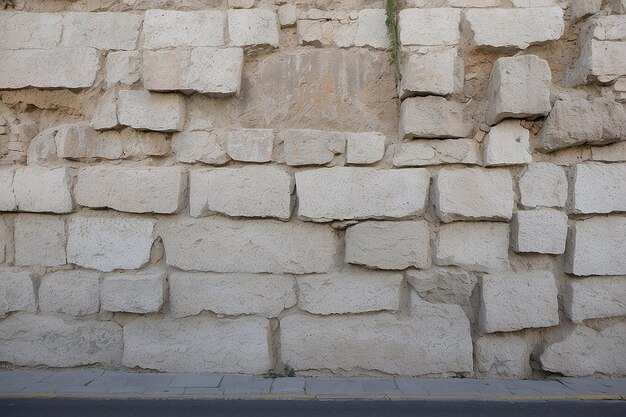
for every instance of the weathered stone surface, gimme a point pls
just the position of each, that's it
(39, 189)
(439, 73)
(108, 243)
(123, 67)
(16, 291)
(587, 351)
(361, 193)
(171, 29)
(22, 30)
(223, 245)
(7, 196)
(432, 117)
(503, 356)
(151, 111)
(105, 115)
(365, 148)
(140, 292)
(389, 245)
(596, 246)
(253, 27)
(5, 241)
(230, 294)
(48, 68)
(475, 246)
(443, 285)
(515, 28)
(435, 152)
(39, 240)
(543, 184)
(198, 344)
(252, 191)
(130, 189)
(539, 231)
(29, 340)
(287, 15)
(139, 144)
(615, 152)
(595, 297)
(372, 30)
(514, 301)
(250, 145)
(584, 8)
(79, 140)
(311, 147)
(507, 143)
(199, 146)
(473, 194)
(103, 30)
(74, 292)
(519, 87)
(598, 188)
(436, 26)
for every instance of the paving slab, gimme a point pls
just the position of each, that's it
(334, 386)
(245, 385)
(292, 385)
(380, 386)
(547, 388)
(197, 381)
(464, 387)
(411, 386)
(73, 377)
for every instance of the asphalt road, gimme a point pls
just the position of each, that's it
(27, 407)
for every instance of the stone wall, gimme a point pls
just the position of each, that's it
(241, 186)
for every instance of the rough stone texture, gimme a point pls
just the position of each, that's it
(595, 297)
(543, 184)
(39, 240)
(436, 26)
(311, 147)
(230, 294)
(151, 111)
(517, 28)
(198, 344)
(30, 340)
(439, 73)
(598, 188)
(361, 193)
(109, 243)
(250, 145)
(519, 87)
(389, 245)
(223, 245)
(611, 153)
(433, 118)
(365, 148)
(584, 8)
(76, 293)
(205, 147)
(372, 30)
(171, 29)
(123, 67)
(515, 301)
(539, 231)
(39, 189)
(105, 114)
(435, 152)
(21, 30)
(101, 30)
(79, 140)
(139, 292)
(475, 246)
(7, 196)
(135, 190)
(503, 356)
(596, 246)
(473, 194)
(507, 143)
(586, 351)
(254, 27)
(16, 291)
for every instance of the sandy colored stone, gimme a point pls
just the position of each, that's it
(22, 30)
(253, 27)
(134, 292)
(311, 147)
(435, 152)
(507, 143)
(443, 285)
(432, 118)
(504, 356)
(16, 291)
(436, 26)
(39, 240)
(250, 145)
(434, 72)
(594, 297)
(539, 231)
(596, 246)
(105, 115)
(365, 148)
(173, 29)
(543, 184)
(372, 30)
(79, 140)
(39, 189)
(7, 196)
(190, 147)
(73, 292)
(598, 188)
(102, 30)
(123, 67)
(151, 111)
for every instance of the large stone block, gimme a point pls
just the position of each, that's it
(224, 245)
(435, 152)
(30, 340)
(23, 30)
(108, 243)
(515, 301)
(7, 196)
(140, 292)
(436, 26)
(503, 356)
(230, 294)
(539, 231)
(39, 240)
(439, 73)
(597, 246)
(432, 118)
(598, 188)
(200, 146)
(389, 245)
(311, 147)
(198, 344)
(444, 285)
(543, 184)
(507, 143)
(172, 29)
(253, 27)
(361, 193)
(39, 189)
(16, 291)
(151, 111)
(134, 190)
(372, 29)
(79, 140)
(250, 145)
(595, 297)
(74, 292)
(364, 148)
(103, 30)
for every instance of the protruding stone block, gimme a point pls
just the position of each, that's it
(250, 145)
(23, 30)
(539, 231)
(141, 292)
(439, 73)
(435, 152)
(432, 118)
(595, 297)
(174, 29)
(151, 111)
(543, 184)
(39, 240)
(365, 148)
(16, 291)
(436, 26)
(253, 27)
(199, 146)
(311, 147)
(39, 189)
(507, 143)
(598, 188)
(74, 292)
(596, 246)
(103, 30)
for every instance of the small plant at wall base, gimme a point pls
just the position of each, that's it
(392, 27)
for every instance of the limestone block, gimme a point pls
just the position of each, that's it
(436, 26)
(504, 356)
(172, 29)
(108, 243)
(139, 144)
(39, 189)
(7, 196)
(241, 4)
(586, 351)
(230, 294)
(432, 117)
(372, 29)
(79, 140)
(132, 189)
(443, 285)
(39, 240)
(596, 246)
(615, 152)
(252, 191)
(311, 147)
(205, 70)
(134, 292)
(22, 30)
(507, 143)
(30, 340)
(102, 30)
(287, 15)
(439, 73)
(595, 297)
(360, 193)
(253, 27)
(48, 68)
(389, 245)
(224, 245)
(365, 148)
(618, 6)
(123, 67)
(519, 87)
(250, 145)
(465, 3)
(5, 241)
(16, 291)
(539, 231)
(473, 194)
(73, 292)
(315, 32)
(198, 344)
(475, 246)
(105, 114)
(598, 188)
(515, 301)
(584, 8)
(435, 152)
(200, 146)
(543, 184)
(515, 28)
(151, 111)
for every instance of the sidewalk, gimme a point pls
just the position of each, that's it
(98, 383)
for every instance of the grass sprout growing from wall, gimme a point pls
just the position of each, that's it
(391, 21)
